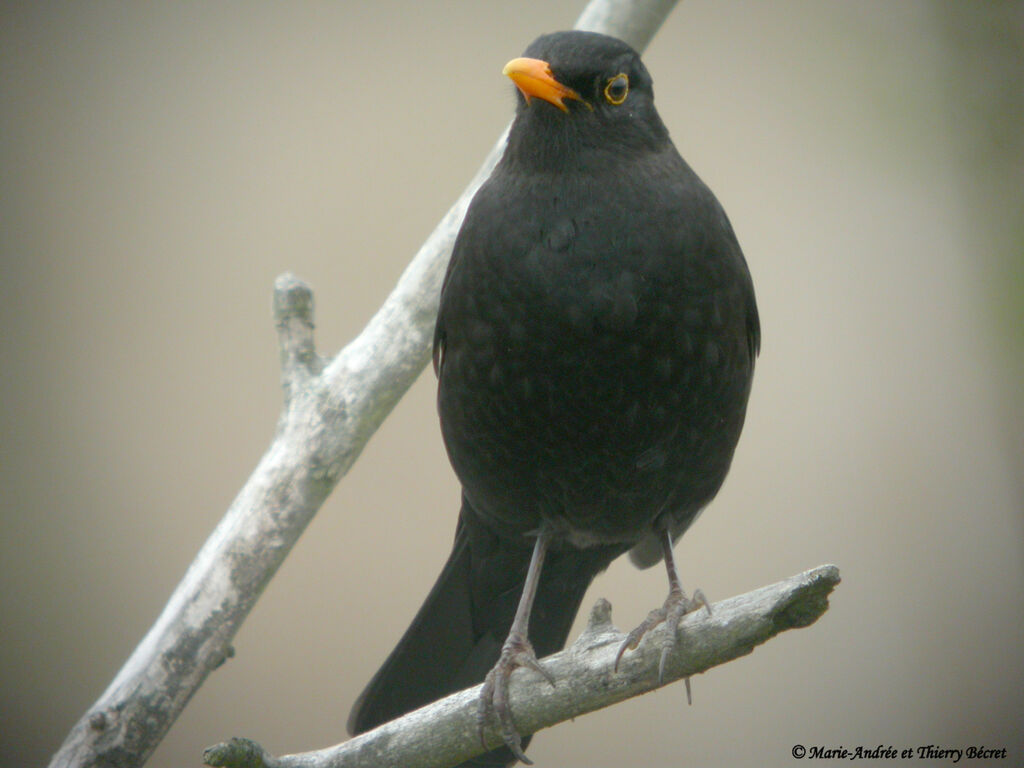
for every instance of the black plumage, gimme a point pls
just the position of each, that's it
(595, 348)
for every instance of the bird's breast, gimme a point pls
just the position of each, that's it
(592, 350)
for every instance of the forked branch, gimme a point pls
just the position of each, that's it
(332, 407)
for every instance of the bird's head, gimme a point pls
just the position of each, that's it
(586, 90)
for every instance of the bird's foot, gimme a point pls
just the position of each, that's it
(516, 652)
(677, 605)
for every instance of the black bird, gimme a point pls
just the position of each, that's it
(595, 348)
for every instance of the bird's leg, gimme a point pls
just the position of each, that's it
(677, 605)
(516, 652)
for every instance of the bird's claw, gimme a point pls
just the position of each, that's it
(494, 698)
(676, 605)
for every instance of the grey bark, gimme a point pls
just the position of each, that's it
(331, 409)
(444, 733)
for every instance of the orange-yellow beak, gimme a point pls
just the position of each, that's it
(533, 77)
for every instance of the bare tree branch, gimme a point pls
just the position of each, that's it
(332, 407)
(444, 733)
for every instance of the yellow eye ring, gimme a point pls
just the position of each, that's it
(617, 89)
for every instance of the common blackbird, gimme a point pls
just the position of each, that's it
(595, 347)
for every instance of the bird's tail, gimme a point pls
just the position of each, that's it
(458, 633)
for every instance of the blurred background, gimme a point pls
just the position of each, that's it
(163, 163)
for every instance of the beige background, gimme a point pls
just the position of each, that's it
(162, 163)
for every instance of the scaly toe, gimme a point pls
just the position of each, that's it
(654, 618)
(494, 696)
(676, 605)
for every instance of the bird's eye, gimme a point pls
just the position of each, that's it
(617, 89)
